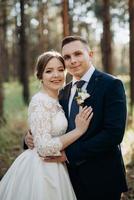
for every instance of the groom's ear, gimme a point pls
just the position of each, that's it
(91, 53)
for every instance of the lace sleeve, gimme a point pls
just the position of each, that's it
(39, 117)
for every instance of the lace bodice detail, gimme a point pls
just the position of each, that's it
(47, 122)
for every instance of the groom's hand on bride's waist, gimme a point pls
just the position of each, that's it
(29, 140)
(61, 158)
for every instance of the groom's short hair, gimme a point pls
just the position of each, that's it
(73, 38)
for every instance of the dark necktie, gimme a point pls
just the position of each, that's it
(74, 107)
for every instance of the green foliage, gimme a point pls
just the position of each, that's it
(11, 135)
(13, 99)
(13, 103)
(13, 130)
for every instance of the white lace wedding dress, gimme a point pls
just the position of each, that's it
(29, 177)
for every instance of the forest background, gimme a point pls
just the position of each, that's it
(30, 27)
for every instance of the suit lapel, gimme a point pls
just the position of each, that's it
(66, 97)
(93, 81)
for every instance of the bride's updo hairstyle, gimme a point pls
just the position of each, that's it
(43, 59)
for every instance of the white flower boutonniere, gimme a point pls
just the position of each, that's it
(82, 96)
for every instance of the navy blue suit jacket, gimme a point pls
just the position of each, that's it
(97, 153)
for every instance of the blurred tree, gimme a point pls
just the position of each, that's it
(102, 12)
(44, 24)
(106, 40)
(65, 17)
(1, 63)
(14, 49)
(79, 18)
(23, 53)
(5, 69)
(131, 53)
(42, 15)
(65, 14)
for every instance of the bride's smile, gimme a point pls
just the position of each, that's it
(53, 77)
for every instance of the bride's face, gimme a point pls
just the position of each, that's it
(53, 76)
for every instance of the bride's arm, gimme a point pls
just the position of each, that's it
(40, 125)
(39, 118)
(82, 122)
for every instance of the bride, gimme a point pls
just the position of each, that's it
(30, 177)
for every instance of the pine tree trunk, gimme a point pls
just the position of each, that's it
(106, 41)
(65, 18)
(66, 31)
(23, 55)
(43, 26)
(5, 70)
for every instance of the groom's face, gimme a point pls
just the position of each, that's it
(77, 58)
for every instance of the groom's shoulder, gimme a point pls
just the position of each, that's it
(108, 80)
(107, 77)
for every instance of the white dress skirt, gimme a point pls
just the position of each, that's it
(29, 177)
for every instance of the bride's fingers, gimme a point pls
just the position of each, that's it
(85, 112)
(88, 113)
(83, 109)
(90, 117)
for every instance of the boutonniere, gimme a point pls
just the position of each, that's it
(82, 96)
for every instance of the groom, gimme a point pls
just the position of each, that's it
(94, 161)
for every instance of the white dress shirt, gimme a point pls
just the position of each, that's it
(86, 77)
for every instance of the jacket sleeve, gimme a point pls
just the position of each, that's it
(112, 132)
